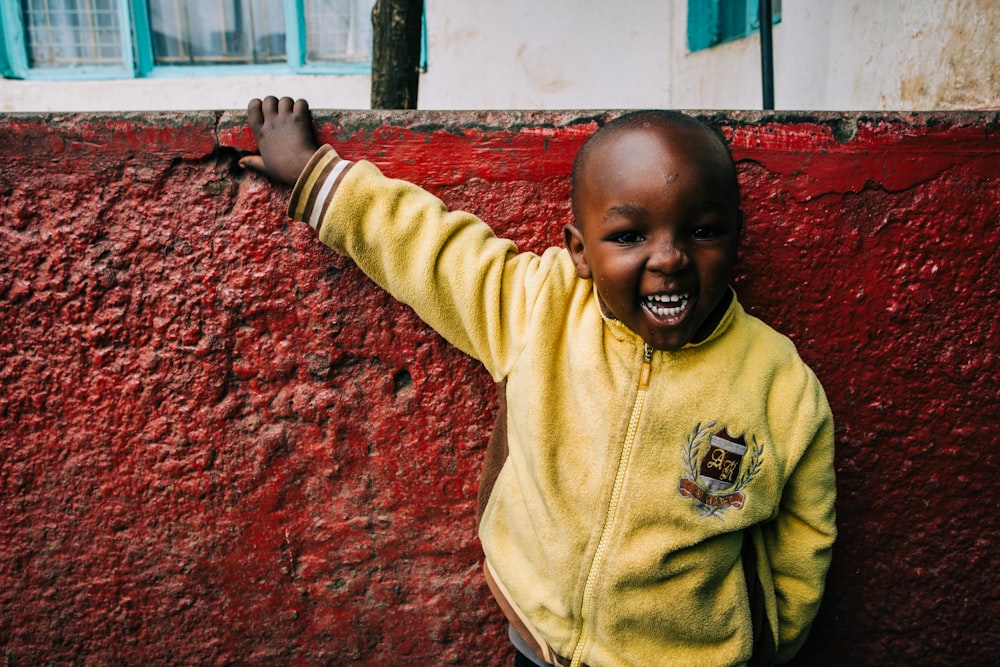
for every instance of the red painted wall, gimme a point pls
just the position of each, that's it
(220, 444)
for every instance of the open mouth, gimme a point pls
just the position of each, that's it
(666, 307)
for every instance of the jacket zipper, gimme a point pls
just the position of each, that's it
(616, 491)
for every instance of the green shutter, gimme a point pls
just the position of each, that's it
(4, 63)
(13, 58)
(702, 24)
(712, 22)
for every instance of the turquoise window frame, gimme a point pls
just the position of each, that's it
(714, 22)
(15, 51)
(138, 61)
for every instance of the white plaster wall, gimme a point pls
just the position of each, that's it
(888, 54)
(561, 54)
(828, 54)
(170, 94)
(534, 54)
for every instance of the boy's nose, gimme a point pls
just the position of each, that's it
(666, 257)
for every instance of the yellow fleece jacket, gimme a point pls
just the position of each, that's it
(614, 528)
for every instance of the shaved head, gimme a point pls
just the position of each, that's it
(714, 147)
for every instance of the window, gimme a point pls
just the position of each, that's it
(216, 33)
(133, 38)
(712, 22)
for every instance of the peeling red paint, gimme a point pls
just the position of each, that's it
(220, 444)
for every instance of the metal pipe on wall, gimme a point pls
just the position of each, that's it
(766, 52)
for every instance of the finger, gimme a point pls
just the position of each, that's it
(253, 163)
(301, 106)
(285, 105)
(255, 114)
(269, 106)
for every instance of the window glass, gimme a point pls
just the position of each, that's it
(60, 33)
(338, 30)
(217, 32)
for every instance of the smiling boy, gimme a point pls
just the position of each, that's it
(664, 459)
(657, 221)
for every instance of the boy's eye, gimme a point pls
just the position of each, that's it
(705, 233)
(627, 238)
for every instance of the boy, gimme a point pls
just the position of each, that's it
(664, 488)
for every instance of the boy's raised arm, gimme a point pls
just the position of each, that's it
(284, 133)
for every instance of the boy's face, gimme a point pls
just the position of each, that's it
(656, 229)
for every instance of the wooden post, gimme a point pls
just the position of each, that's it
(396, 53)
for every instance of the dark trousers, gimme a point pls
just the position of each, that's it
(521, 660)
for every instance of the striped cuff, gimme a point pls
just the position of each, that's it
(314, 189)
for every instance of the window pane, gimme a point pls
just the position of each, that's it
(338, 30)
(60, 33)
(214, 32)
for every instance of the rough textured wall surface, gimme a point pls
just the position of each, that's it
(219, 444)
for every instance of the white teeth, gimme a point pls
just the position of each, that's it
(666, 305)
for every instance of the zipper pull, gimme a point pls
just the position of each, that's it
(647, 367)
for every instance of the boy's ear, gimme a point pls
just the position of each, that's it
(574, 243)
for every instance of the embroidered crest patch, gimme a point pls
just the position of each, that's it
(718, 466)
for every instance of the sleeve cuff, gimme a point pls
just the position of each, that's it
(315, 186)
